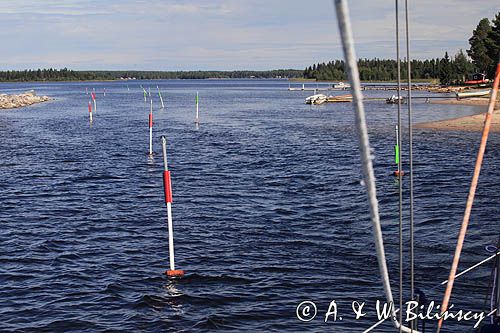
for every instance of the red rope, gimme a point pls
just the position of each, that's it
(470, 198)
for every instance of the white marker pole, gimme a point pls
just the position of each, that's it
(197, 112)
(161, 99)
(104, 91)
(167, 186)
(149, 91)
(151, 130)
(90, 111)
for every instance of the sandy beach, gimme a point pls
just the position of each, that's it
(472, 123)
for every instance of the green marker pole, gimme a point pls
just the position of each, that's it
(197, 112)
(396, 148)
(161, 99)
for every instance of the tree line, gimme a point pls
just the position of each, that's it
(71, 75)
(386, 69)
(482, 57)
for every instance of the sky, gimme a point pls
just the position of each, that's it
(221, 34)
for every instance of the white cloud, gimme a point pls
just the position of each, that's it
(220, 34)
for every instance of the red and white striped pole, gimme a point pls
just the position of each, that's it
(95, 105)
(90, 112)
(167, 187)
(151, 130)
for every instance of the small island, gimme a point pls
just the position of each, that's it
(20, 100)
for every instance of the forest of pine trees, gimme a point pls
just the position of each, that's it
(448, 70)
(482, 57)
(70, 75)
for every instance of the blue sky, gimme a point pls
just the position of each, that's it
(220, 34)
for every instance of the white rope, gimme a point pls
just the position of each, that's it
(364, 145)
(371, 328)
(474, 266)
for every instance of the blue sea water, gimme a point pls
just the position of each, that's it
(269, 209)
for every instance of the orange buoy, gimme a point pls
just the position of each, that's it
(175, 273)
(396, 173)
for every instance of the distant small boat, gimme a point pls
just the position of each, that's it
(316, 99)
(394, 99)
(469, 94)
(341, 85)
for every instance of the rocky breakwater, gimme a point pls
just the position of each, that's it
(24, 99)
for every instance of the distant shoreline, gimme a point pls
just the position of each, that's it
(295, 80)
(142, 80)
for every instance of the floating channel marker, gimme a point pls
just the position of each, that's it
(197, 110)
(90, 112)
(167, 187)
(397, 154)
(95, 103)
(161, 99)
(396, 147)
(151, 130)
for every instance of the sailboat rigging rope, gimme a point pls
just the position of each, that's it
(364, 146)
(410, 157)
(400, 173)
(473, 266)
(472, 192)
